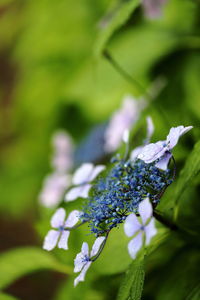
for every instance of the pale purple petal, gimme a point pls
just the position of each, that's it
(82, 174)
(73, 218)
(51, 239)
(62, 162)
(164, 161)
(63, 242)
(150, 128)
(150, 231)
(79, 262)
(131, 225)
(85, 249)
(145, 210)
(58, 218)
(175, 133)
(122, 119)
(62, 142)
(81, 276)
(135, 244)
(136, 152)
(152, 151)
(96, 246)
(96, 171)
(79, 191)
(73, 194)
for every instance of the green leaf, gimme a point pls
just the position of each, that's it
(119, 19)
(21, 261)
(195, 294)
(7, 297)
(189, 172)
(132, 285)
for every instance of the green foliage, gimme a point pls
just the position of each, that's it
(132, 285)
(21, 261)
(4, 296)
(118, 18)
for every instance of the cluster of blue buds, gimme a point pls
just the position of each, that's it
(121, 191)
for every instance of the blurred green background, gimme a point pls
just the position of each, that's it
(53, 75)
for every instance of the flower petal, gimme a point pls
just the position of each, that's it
(80, 261)
(81, 276)
(164, 161)
(98, 169)
(73, 218)
(63, 242)
(125, 136)
(96, 246)
(58, 218)
(136, 152)
(150, 231)
(152, 151)
(82, 174)
(135, 244)
(50, 240)
(175, 133)
(145, 210)
(76, 192)
(131, 225)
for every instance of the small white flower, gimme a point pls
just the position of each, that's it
(133, 227)
(53, 189)
(122, 119)
(58, 222)
(83, 261)
(162, 149)
(82, 178)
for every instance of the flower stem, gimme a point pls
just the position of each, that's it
(101, 248)
(165, 221)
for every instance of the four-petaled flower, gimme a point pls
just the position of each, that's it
(145, 228)
(83, 259)
(82, 178)
(162, 149)
(58, 222)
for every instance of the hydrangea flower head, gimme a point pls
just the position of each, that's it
(82, 180)
(59, 232)
(146, 228)
(83, 259)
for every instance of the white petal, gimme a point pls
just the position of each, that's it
(135, 244)
(136, 152)
(96, 246)
(152, 151)
(58, 218)
(83, 173)
(145, 210)
(175, 133)
(51, 239)
(164, 161)
(150, 231)
(73, 218)
(131, 225)
(81, 276)
(96, 171)
(85, 190)
(150, 128)
(85, 249)
(76, 192)
(63, 242)
(79, 262)
(125, 136)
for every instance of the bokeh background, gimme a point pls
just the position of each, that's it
(54, 75)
